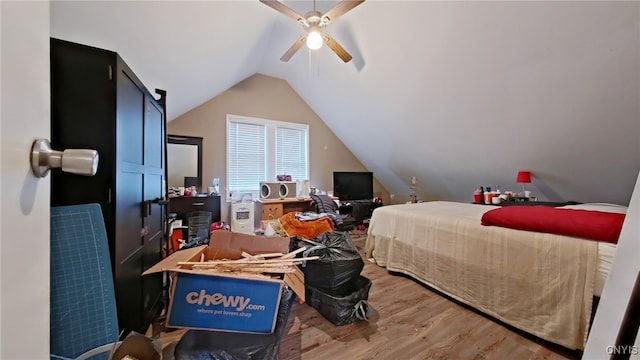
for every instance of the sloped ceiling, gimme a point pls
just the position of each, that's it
(458, 94)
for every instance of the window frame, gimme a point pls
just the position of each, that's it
(270, 146)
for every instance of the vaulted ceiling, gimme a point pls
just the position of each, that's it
(458, 94)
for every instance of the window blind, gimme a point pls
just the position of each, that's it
(291, 152)
(246, 156)
(260, 149)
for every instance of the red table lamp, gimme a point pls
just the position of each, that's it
(524, 177)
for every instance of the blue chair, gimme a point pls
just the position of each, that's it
(83, 315)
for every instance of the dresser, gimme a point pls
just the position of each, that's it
(97, 102)
(183, 205)
(273, 209)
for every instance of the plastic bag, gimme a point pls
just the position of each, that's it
(217, 345)
(339, 265)
(342, 310)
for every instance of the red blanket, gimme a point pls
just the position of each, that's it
(593, 225)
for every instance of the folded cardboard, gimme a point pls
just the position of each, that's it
(223, 301)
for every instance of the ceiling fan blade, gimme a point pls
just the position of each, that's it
(295, 47)
(339, 50)
(340, 9)
(277, 5)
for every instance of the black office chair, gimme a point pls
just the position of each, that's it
(199, 228)
(325, 204)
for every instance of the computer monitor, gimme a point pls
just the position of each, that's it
(350, 185)
(190, 181)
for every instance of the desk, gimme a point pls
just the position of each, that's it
(273, 209)
(360, 210)
(183, 205)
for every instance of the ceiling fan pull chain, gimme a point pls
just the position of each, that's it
(312, 55)
(310, 64)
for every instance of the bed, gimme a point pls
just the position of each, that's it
(541, 283)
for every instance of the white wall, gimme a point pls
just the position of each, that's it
(617, 289)
(24, 199)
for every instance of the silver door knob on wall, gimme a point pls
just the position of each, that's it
(75, 161)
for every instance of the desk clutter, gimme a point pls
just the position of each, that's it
(489, 196)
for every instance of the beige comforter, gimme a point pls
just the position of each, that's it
(539, 283)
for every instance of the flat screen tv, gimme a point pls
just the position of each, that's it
(351, 185)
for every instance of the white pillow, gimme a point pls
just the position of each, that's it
(606, 207)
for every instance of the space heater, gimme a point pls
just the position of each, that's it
(242, 218)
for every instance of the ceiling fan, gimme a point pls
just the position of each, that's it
(314, 22)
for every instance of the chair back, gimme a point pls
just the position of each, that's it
(83, 306)
(199, 223)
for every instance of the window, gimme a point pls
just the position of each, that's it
(260, 149)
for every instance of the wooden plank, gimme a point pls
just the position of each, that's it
(295, 280)
(246, 261)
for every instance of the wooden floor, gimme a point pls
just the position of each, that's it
(407, 321)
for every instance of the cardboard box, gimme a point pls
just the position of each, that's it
(223, 302)
(138, 346)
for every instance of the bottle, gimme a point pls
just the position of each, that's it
(216, 185)
(477, 196)
(487, 196)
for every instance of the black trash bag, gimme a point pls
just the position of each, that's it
(341, 310)
(339, 265)
(219, 345)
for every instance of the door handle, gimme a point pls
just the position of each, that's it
(74, 161)
(145, 207)
(161, 201)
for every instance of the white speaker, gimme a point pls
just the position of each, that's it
(269, 190)
(287, 190)
(278, 190)
(242, 218)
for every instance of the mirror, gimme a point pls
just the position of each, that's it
(184, 160)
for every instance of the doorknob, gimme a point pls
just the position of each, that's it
(75, 161)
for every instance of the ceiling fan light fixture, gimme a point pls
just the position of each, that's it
(314, 40)
(314, 23)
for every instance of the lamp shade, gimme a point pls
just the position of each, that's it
(524, 177)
